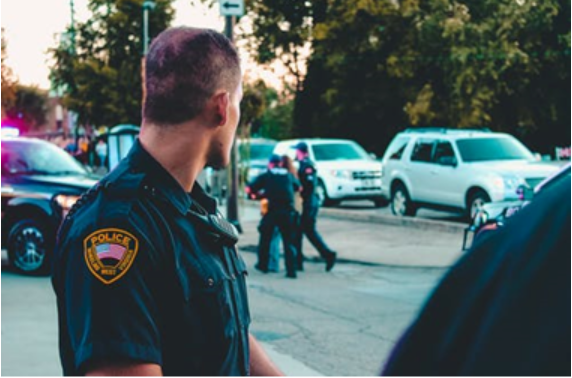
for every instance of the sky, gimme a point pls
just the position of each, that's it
(31, 27)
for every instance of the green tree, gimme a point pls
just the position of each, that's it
(379, 66)
(252, 106)
(281, 30)
(28, 111)
(8, 82)
(100, 70)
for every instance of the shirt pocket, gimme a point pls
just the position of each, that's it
(208, 310)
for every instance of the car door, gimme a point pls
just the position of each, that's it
(418, 169)
(445, 183)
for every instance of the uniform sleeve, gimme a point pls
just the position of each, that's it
(110, 295)
(257, 185)
(308, 178)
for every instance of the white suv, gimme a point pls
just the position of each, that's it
(345, 169)
(456, 169)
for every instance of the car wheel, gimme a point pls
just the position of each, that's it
(476, 202)
(29, 247)
(401, 203)
(322, 195)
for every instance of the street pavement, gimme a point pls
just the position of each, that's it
(373, 238)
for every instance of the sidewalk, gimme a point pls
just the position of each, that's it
(375, 240)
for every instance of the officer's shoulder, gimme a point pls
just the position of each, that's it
(112, 197)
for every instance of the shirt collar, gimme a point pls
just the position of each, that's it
(139, 160)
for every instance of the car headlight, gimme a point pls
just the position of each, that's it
(66, 201)
(340, 173)
(512, 182)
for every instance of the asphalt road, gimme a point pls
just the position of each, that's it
(340, 323)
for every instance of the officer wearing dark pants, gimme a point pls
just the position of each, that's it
(279, 186)
(308, 178)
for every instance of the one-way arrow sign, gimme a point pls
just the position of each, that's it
(231, 7)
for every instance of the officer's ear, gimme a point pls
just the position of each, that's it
(222, 106)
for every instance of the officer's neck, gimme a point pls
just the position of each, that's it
(180, 149)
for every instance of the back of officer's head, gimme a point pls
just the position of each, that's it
(183, 69)
(274, 161)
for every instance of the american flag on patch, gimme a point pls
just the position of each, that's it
(110, 251)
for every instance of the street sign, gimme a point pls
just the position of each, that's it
(231, 7)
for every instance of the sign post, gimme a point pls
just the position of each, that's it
(230, 9)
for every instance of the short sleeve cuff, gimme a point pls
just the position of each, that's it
(114, 350)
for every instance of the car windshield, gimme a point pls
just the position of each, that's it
(19, 157)
(489, 149)
(338, 151)
(256, 152)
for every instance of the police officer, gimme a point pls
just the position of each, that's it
(278, 186)
(308, 178)
(146, 273)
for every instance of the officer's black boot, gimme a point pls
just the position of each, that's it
(331, 261)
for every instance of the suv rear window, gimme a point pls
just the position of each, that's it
(488, 149)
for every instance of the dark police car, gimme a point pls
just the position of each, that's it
(40, 183)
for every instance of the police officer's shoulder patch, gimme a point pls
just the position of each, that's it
(109, 253)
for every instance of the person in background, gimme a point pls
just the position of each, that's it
(308, 178)
(278, 186)
(289, 165)
(504, 308)
(101, 151)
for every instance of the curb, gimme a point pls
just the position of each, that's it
(251, 248)
(419, 223)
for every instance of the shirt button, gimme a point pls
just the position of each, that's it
(210, 282)
(232, 277)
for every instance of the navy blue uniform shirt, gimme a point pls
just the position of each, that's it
(309, 179)
(279, 187)
(138, 277)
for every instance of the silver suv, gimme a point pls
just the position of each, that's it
(456, 169)
(345, 170)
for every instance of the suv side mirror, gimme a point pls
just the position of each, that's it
(373, 156)
(450, 161)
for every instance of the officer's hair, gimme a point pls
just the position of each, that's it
(183, 69)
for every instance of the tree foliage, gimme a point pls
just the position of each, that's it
(29, 108)
(8, 81)
(378, 66)
(100, 70)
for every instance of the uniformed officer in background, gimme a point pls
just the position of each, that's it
(279, 186)
(146, 273)
(309, 178)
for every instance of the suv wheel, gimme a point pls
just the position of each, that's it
(323, 199)
(401, 203)
(28, 247)
(476, 202)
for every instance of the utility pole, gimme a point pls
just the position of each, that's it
(232, 203)
(147, 6)
(72, 118)
(72, 28)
